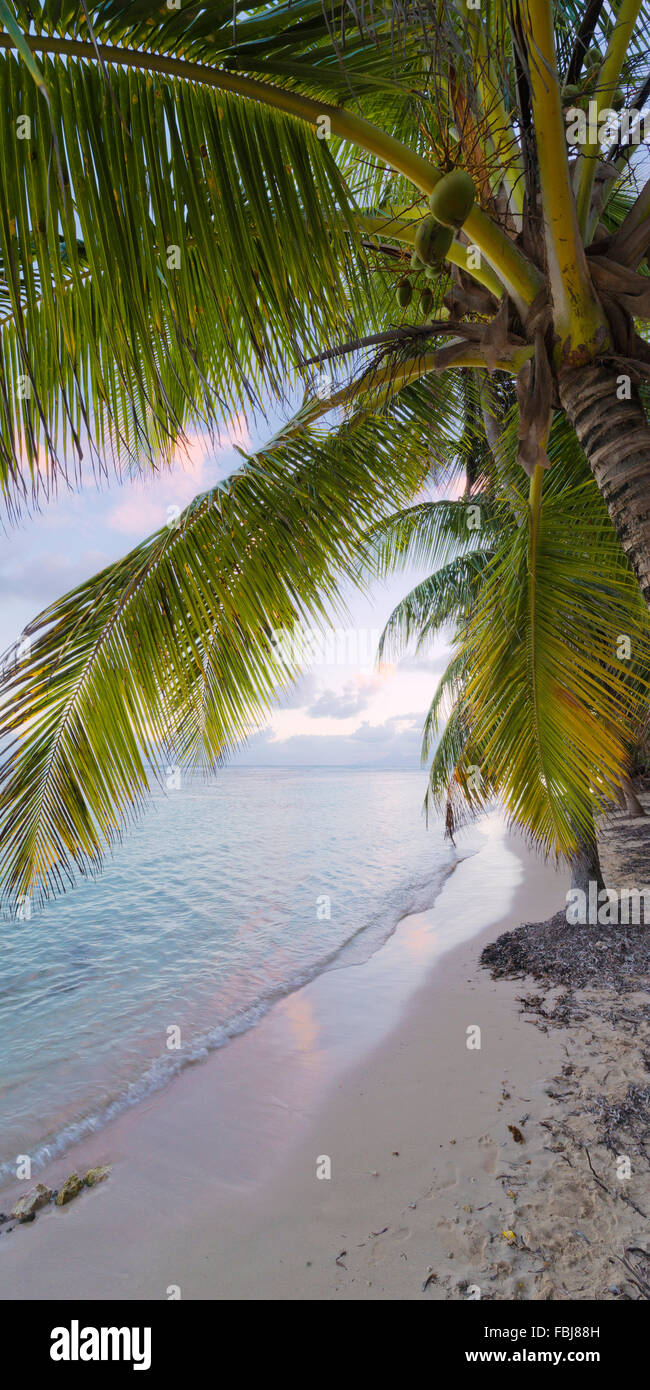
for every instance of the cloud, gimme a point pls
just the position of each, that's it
(435, 666)
(345, 703)
(42, 578)
(152, 501)
(301, 692)
(393, 744)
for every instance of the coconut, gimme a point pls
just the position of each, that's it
(452, 199)
(426, 302)
(432, 241)
(404, 293)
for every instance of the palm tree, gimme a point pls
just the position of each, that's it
(534, 700)
(201, 204)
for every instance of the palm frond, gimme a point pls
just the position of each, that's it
(550, 706)
(191, 255)
(440, 598)
(175, 647)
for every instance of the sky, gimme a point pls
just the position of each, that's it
(343, 711)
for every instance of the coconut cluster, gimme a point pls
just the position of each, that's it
(451, 203)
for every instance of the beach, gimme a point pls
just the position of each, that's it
(404, 1128)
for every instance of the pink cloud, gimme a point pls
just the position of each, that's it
(151, 502)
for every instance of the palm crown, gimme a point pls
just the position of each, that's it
(201, 203)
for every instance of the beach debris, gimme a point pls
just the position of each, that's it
(638, 1276)
(70, 1188)
(37, 1197)
(339, 1258)
(509, 1236)
(431, 1278)
(29, 1216)
(560, 953)
(381, 1232)
(516, 1134)
(95, 1175)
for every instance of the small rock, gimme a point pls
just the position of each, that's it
(71, 1188)
(37, 1197)
(29, 1216)
(95, 1175)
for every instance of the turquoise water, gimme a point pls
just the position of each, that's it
(227, 895)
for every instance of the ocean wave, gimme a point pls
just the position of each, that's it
(417, 896)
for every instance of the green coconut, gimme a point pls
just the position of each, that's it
(452, 199)
(404, 293)
(426, 302)
(575, 98)
(432, 241)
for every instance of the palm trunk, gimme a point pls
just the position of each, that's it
(615, 436)
(585, 867)
(632, 804)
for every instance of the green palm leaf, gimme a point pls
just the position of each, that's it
(175, 644)
(546, 700)
(448, 594)
(196, 251)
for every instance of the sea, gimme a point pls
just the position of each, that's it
(226, 896)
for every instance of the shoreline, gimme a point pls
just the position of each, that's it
(202, 1170)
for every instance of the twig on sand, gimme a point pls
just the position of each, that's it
(635, 1274)
(598, 1180)
(621, 1195)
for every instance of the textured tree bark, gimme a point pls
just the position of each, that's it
(585, 865)
(632, 804)
(615, 436)
(585, 868)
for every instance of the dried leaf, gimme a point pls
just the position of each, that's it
(630, 290)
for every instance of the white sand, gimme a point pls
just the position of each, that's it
(214, 1187)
